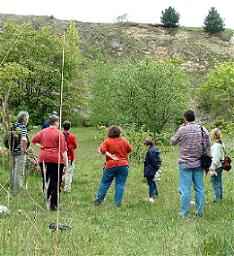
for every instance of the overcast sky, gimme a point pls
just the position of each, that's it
(148, 11)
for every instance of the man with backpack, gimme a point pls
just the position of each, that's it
(19, 144)
(71, 146)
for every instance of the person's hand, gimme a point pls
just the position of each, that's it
(65, 166)
(212, 173)
(114, 157)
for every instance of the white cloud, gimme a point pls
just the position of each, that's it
(192, 12)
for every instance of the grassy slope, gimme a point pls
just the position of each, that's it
(135, 229)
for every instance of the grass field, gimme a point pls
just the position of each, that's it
(138, 228)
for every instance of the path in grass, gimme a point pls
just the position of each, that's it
(138, 228)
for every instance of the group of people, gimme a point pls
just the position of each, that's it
(57, 154)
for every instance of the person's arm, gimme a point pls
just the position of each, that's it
(65, 159)
(216, 158)
(103, 148)
(37, 140)
(176, 138)
(128, 147)
(24, 140)
(111, 156)
(74, 143)
(153, 159)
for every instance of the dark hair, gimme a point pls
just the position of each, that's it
(66, 125)
(114, 132)
(189, 115)
(53, 119)
(148, 143)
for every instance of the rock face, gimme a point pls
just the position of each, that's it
(198, 50)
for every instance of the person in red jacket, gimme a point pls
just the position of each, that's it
(53, 159)
(71, 146)
(116, 150)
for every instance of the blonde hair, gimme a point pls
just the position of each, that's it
(216, 133)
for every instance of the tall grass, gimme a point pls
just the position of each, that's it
(138, 228)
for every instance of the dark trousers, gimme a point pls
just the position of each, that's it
(50, 181)
(152, 187)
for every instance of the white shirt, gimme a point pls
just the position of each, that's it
(217, 154)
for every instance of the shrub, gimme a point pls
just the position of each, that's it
(150, 93)
(170, 17)
(213, 23)
(216, 96)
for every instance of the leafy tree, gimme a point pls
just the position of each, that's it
(151, 93)
(39, 51)
(216, 96)
(170, 17)
(213, 23)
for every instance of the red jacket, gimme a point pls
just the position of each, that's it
(71, 144)
(119, 147)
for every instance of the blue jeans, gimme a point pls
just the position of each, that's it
(120, 174)
(217, 185)
(189, 176)
(152, 187)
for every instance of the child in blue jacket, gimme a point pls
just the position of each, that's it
(151, 166)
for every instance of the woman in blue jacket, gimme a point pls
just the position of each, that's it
(151, 165)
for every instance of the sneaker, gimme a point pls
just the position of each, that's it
(151, 200)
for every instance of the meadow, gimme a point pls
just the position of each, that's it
(137, 228)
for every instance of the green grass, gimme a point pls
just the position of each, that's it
(137, 228)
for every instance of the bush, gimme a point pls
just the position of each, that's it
(136, 138)
(213, 23)
(216, 96)
(150, 93)
(170, 17)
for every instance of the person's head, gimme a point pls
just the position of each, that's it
(148, 143)
(114, 132)
(216, 134)
(67, 125)
(189, 116)
(23, 117)
(54, 121)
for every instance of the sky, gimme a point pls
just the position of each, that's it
(192, 12)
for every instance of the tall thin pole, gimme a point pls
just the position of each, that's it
(60, 128)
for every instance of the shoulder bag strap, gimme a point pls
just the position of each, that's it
(203, 146)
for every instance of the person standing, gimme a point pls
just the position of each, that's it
(191, 137)
(71, 146)
(19, 144)
(217, 153)
(151, 166)
(46, 123)
(53, 159)
(116, 150)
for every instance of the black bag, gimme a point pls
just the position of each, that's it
(206, 160)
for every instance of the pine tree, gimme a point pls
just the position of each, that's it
(213, 23)
(170, 17)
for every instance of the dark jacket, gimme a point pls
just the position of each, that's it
(152, 162)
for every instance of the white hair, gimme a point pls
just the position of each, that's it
(22, 115)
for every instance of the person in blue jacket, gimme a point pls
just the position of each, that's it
(151, 166)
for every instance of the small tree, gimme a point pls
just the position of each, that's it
(170, 17)
(213, 23)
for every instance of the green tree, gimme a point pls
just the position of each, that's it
(170, 17)
(216, 96)
(213, 23)
(40, 52)
(149, 92)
